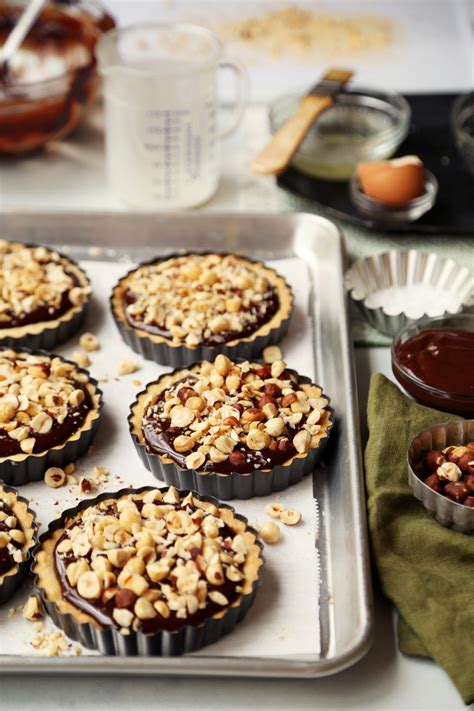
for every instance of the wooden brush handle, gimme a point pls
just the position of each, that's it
(284, 143)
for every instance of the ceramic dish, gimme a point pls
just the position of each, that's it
(388, 288)
(447, 512)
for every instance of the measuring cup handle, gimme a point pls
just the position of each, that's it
(242, 85)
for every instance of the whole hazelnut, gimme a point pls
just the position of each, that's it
(469, 482)
(433, 459)
(264, 401)
(272, 390)
(456, 490)
(469, 501)
(185, 393)
(435, 483)
(125, 598)
(263, 371)
(466, 463)
(455, 453)
(284, 445)
(237, 459)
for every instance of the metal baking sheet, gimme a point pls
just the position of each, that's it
(309, 251)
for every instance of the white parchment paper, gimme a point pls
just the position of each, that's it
(284, 619)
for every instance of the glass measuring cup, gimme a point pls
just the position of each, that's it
(160, 89)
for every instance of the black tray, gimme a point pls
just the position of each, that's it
(430, 138)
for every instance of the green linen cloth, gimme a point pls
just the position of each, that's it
(426, 570)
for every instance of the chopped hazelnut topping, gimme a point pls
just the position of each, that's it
(154, 556)
(227, 417)
(199, 298)
(82, 359)
(35, 280)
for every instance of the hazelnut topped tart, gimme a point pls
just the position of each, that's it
(49, 409)
(166, 570)
(231, 429)
(43, 296)
(17, 537)
(191, 306)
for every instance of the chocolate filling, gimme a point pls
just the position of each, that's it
(102, 611)
(159, 436)
(260, 314)
(6, 559)
(58, 433)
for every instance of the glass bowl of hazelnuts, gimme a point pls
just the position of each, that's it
(441, 473)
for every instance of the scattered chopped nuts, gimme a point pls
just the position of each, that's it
(32, 609)
(89, 342)
(274, 510)
(126, 366)
(270, 532)
(272, 354)
(55, 477)
(290, 517)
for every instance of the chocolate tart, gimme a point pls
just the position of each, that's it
(148, 571)
(17, 537)
(43, 297)
(231, 430)
(186, 307)
(49, 413)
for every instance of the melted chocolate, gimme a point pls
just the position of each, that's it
(159, 436)
(6, 559)
(102, 612)
(271, 304)
(29, 121)
(440, 358)
(58, 433)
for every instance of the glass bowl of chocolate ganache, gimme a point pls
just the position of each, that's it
(52, 78)
(434, 362)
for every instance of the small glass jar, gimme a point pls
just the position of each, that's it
(362, 125)
(445, 400)
(408, 212)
